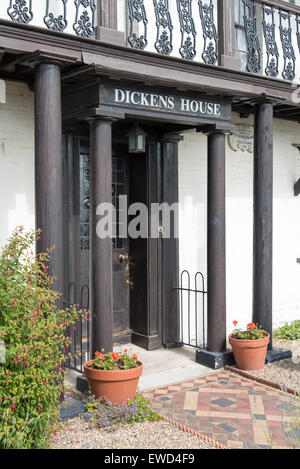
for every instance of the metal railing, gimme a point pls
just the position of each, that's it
(193, 316)
(272, 36)
(178, 28)
(77, 17)
(79, 349)
(188, 29)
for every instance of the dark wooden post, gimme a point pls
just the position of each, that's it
(216, 244)
(170, 245)
(48, 165)
(263, 216)
(101, 249)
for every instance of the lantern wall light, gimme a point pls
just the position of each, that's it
(136, 140)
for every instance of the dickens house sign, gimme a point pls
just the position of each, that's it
(196, 106)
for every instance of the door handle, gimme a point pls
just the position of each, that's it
(123, 258)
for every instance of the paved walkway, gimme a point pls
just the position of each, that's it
(229, 409)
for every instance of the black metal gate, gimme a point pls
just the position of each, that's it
(79, 333)
(193, 316)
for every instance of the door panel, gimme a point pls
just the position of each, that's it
(121, 283)
(120, 247)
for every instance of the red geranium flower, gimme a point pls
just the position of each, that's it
(235, 323)
(251, 325)
(134, 356)
(115, 356)
(100, 355)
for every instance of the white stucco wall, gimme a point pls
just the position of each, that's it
(17, 204)
(16, 159)
(239, 180)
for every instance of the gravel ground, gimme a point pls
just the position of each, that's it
(286, 373)
(77, 434)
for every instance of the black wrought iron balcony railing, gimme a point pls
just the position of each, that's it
(77, 17)
(265, 34)
(272, 38)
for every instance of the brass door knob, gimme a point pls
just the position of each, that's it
(123, 258)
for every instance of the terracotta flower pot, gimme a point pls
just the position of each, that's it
(249, 354)
(116, 386)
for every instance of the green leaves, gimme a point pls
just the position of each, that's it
(33, 330)
(105, 415)
(288, 331)
(115, 361)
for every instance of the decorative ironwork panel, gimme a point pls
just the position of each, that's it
(287, 46)
(210, 35)
(118, 189)
(84, 25)
(163, 43)
(20, 11)
(253, 44)
(85, 187)
(187, 27)
(137, 17)
(54, 21)
(298, 31)
(269, 30)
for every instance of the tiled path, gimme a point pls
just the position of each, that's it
(231, 410)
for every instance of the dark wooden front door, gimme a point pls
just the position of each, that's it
(121, 278)
(121, 283)
(145, 303)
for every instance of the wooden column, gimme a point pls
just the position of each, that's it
(48, 165)
(263, 216)
(216, 244)
(101, 249)
(170, 245)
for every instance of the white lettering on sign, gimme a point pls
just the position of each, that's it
(165, 102)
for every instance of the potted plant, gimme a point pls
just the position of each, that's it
(249, 346)
(113, 376)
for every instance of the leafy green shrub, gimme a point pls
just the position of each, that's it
(288, 331)
(33, 330)
(105, 415)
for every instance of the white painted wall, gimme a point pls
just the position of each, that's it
(17, 204)
(16, 159)
(239, 179)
